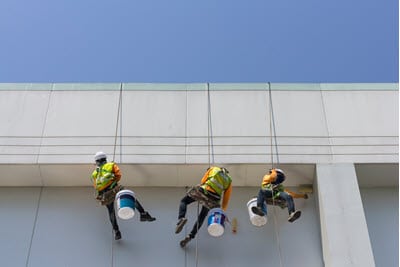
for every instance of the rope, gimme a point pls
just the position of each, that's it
(210, 150)
(273, 133)
(272, 123)
(197, 235)
(116, 126)
(209, 129)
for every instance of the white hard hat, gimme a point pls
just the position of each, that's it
(100, 155)
(280, 171)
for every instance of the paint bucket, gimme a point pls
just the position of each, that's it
(125, 204)
(255, 219)
(216, 222)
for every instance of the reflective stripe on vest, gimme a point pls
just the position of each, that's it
(218, 181)
(103, 176)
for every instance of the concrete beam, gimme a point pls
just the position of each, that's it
(344, 232)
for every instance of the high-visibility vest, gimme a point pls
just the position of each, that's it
(277, 190)
(103, 176)
(218, 180)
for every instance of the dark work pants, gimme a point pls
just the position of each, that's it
(186, 200)
(264, 194)
(111, 214)
(113, 218)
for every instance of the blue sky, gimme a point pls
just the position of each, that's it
(199, 41)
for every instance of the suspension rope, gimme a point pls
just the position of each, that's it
(209, 129)
(116, 126)
(273, 134)
(272, 123)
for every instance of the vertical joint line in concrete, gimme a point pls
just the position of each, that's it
(186, 125)
(43, 129)
(34, 227)
(326, 124)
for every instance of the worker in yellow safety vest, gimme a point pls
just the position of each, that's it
(272, 188)
(105, 180)
(215, 184)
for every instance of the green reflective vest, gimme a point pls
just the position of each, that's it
(103, 176)
(218, 180)
(277, 190)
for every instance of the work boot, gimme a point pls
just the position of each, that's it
(294, 216)
(258, 211)
(180, 224)
(145, 216)
(185, 241)
(117, 235)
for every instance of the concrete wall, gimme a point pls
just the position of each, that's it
(50, 132)
(67, 123)
(381, 206)
(63, 125)
(58, 226)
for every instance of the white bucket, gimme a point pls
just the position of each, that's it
(125, 204)
(216, 222)
(255, 219)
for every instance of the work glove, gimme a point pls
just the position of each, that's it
(305, 196)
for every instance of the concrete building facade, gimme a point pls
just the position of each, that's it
(340, 141)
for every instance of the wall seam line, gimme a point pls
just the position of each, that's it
(326, 125)
(34, 227)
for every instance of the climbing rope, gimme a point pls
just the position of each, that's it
(209, 129)
(119, 113)
(272, 129)
(210, 149)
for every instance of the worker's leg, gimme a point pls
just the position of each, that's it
(289, 201)
(261, 208)
(111, 214)
(293, 214)
(144, 215)
(200, 219)
(186, 200)
(113, 220)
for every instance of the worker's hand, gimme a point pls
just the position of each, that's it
(305, 196)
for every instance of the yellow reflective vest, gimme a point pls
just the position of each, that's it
(105, 175)
(217, 180)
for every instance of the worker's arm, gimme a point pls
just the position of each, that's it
(117, 172)
(93, 179)
(205, 177)
(227, 196)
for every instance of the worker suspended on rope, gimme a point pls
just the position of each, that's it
(215, 184)
(273, 190)
(105, 180)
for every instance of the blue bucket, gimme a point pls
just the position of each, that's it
(216, 222)
(125, 204)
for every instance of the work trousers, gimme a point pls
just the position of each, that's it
(265, 194)
(113, 218)
(186, 200)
